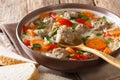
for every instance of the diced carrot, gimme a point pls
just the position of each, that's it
(44, 47)
(115, 32)
(70, 50)
(43, 15)
(88, 24)
(107, 50)
(63, 21)
(36, 40)
(30, 32)
(96, 43)
(88, 13)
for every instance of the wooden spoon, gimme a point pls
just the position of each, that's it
(114, 61)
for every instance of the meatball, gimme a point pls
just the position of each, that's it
(69, 14)
(65, 35)
(80, 28)
(41, 32)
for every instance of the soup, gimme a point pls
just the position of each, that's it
(47, 30)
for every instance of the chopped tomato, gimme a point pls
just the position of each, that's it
(87, 23)
(80, 20)
(52, 46)
(25, 28)
(79, 56)
(27, 42)
(63, 21)
(52, 14)
(105, 33)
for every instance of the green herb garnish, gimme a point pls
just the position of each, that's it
(55, 31)
(24, 33)
(84, 39)
(36, 46)
(80, 52)
(109, 40)
(41, 27)
(46, 36)
(84, 16)
(70, 55)
(73, 27)
(73, 18)
(98, 34)
(103, 18)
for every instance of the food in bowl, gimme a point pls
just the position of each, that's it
(44, 33)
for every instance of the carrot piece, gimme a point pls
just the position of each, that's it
(88, 13)
(43, 15)
(96, 43)
(114, 32)
(30, 32)
(88, 24)
(107, 50)
(63, 21)
(70, 50)
(44, 47)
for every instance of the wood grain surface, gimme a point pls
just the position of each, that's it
(12, 11)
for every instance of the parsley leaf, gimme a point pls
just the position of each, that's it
(85, 38)
(109, 40)
(103, 18)
(41, 27)
(46, 36)
(73, 18)
(36, 46)
(55, 31)
(84, 16)
(80, 52)
(98, 34)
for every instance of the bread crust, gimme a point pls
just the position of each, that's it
(9, 61)
(35, 75)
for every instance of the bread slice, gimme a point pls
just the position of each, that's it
(23, 71)
(9, 58)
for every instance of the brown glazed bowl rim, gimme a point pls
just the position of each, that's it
(65, 6)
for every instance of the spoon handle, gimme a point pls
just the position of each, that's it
(114, 61)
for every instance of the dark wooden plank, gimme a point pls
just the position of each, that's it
(39, 3)
(112, 5)
(12, 11)
(78, 1)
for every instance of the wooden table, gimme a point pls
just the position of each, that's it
(12, 11)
